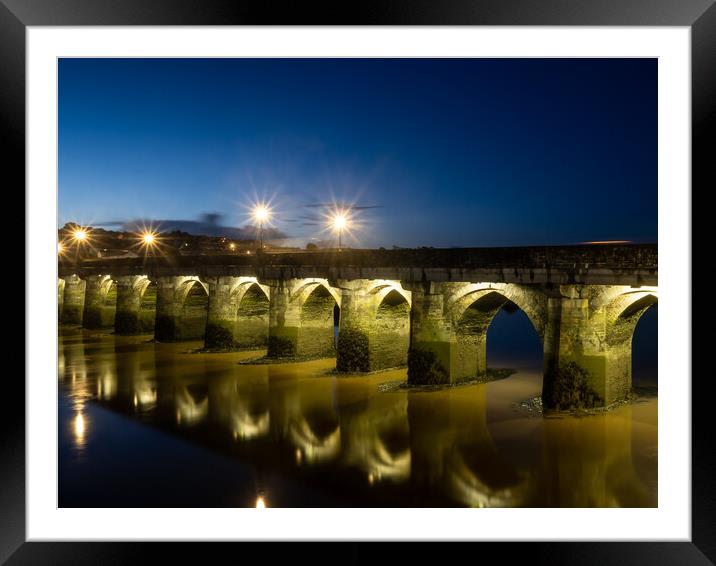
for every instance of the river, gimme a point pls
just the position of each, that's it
(143, 424)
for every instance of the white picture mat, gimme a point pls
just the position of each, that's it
(670, 521)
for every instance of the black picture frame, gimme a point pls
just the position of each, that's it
(699, 15)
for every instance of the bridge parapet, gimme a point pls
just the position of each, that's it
(558, 265)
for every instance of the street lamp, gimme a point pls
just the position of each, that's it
(339, 222)
(80, 237)
(261, 215)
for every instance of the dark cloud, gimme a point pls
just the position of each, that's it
(209, 224)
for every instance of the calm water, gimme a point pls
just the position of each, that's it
(144, 425)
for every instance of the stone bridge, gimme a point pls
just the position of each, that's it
(427, 308)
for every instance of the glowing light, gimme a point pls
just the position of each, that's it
(260, 502)
(148, 238)
(261, 213)
(232, 246)
(340, 222)
(79, 427)
(80, 235)
(60, 248)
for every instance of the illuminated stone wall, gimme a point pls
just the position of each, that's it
(182, 309)
(301, 318)
(588, 344)
(100, 302)
(73, 300)
(439, 328)
(374, 325)
(238, 313)
(136, 305)
(60, 297)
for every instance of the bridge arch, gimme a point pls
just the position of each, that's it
(622, 316)
(252, 315)
(100, 302)
(472, 313)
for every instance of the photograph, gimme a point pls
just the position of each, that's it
(357, 282)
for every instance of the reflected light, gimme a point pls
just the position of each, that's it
(79, 428)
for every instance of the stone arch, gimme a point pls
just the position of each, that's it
(316, 317)
(136, 305)
(252, 315)
(530, 302)
(147, 305)
(100, 302)
(390, 336)
(381, 289)
(472, 313)
(302, 293)
(621, 318)
(60, 297)
(73, 300)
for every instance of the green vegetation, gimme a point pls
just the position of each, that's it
(352, 351)
(424, 368)
(218, 338)
(567, 387)
(280, 347)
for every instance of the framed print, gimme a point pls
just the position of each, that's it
(387, 275)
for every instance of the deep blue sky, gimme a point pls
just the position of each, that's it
(457, 152)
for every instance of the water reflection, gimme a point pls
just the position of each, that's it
(467, 446)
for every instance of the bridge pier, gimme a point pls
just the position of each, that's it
(60, 297)
(73, 300)
(238, 313)
(301, 318)
(588, 344)
(100, 302)
(431, 359)
(374, 326)
(136, 305)
(182, 308)
(450, 324)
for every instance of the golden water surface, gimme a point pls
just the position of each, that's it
(141, 422)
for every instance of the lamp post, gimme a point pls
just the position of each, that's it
(261, 215)
(80, 237)
(339, 222)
